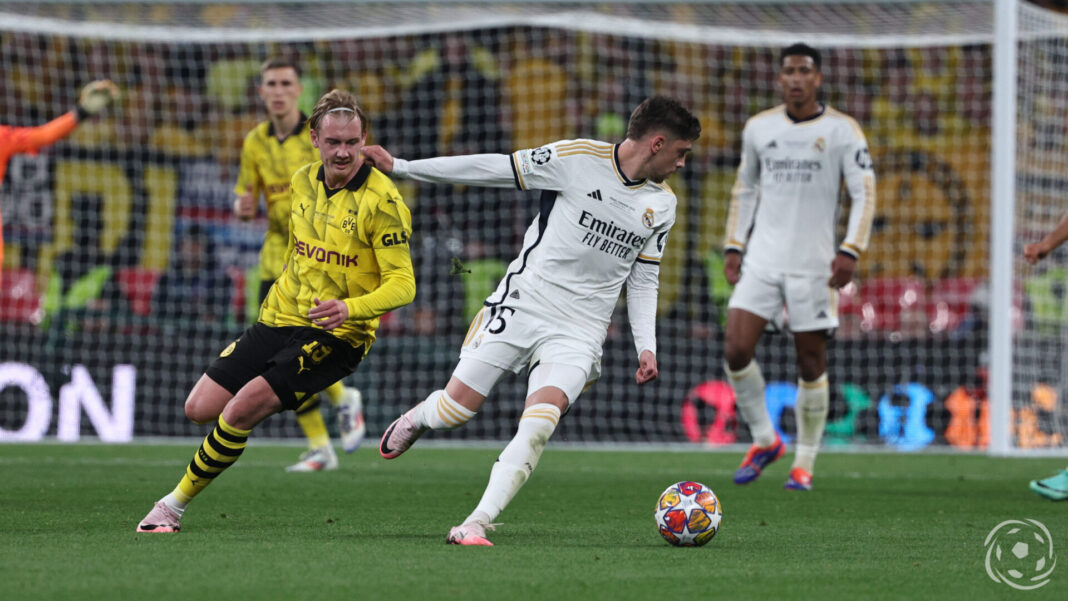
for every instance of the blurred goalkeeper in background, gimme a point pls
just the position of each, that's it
(14, 140)
(272, 152)
(347, 263)
(781, 252)
(605, 214)
(1054, 488)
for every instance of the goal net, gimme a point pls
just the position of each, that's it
(125, 272)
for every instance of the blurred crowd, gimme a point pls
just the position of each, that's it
(926, 112)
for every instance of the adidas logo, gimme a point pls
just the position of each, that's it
(772, 144)
(514, 294)
(596, 195)
(821, 315)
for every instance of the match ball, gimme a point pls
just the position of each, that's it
(688, 514)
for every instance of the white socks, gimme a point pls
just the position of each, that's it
(748, 384)
(440, 412)
(813, 400)
(516, 461)
(176, 506)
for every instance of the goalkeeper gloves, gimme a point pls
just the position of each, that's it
(95, 96)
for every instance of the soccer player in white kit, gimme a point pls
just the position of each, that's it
(781, 250)
(1055, 487)
(605, 214)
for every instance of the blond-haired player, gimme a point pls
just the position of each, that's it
(272, 152)
(347, 264)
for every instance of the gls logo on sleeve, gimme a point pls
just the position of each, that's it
(395, 238)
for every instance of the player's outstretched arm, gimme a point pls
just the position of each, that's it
(93, 98)
(1033, 253)
(492, 170)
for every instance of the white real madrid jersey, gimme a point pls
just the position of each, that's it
(593, 222)
(785, 201)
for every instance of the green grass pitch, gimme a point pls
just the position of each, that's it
(877, 526)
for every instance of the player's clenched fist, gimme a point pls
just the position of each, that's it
(647, 369)
(1036, 252)
(96, 95)
(245, 205)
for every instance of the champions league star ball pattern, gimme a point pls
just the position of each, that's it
(688, 514)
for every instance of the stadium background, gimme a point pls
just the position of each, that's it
(132, 196)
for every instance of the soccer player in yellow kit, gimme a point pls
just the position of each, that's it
(272, 152)
(347, 263)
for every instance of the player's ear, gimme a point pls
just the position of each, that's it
(659, 141)
(314, 138)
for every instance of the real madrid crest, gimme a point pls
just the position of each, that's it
(647, 218)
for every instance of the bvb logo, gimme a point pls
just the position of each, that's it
(226, 351)
(348, 225)
(1020, 554)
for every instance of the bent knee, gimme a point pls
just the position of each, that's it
(199, 412)
(737, 357)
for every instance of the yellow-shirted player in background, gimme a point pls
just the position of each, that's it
(348, 263)
(273, 151)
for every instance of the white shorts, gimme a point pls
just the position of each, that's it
(810, 303)
(517, 336)
(482, 377)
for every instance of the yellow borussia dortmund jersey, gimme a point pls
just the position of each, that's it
(268, 165)
(350, 244)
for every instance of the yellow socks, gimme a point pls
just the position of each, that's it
(311, 422)
(334, 392)
(220, 449)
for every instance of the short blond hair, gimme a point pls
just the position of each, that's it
(335, 100)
